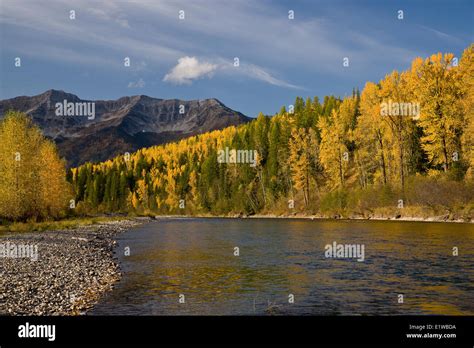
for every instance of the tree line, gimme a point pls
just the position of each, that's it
(360, 152)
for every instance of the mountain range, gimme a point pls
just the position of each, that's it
(118, 126)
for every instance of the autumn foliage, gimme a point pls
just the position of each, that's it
(33, 182)
(335, 156)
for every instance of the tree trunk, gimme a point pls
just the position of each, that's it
(383, 160)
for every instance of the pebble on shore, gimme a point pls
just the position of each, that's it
(74, 268)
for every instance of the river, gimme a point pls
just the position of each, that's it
(192, 267)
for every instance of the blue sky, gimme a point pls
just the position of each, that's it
(193, 58)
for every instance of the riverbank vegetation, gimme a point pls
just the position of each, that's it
(68, 223)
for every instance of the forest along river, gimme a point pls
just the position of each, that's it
(279, 257)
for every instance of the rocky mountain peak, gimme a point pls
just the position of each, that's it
(122, 125)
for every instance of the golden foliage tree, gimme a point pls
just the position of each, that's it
(303, 149)
(336, 133)
(394, 88)
(437, 86)
(370, 138)
(32, 176)
(466, 67)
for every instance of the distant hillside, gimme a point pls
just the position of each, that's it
(122, 125)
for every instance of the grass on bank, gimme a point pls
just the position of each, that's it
(69, 223)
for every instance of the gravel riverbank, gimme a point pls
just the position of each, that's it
(58, 272)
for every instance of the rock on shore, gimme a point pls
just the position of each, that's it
(74, 268)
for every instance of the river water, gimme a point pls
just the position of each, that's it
(190, 267)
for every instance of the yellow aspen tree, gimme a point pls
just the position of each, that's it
(172, 199)
(466, 67)
(55, 190)
(303, 157)
(32, 177)
(394, 91)
(141, 195)
(437, 86)
(299, 163)
(194, 190)
(133, 200)
(335, 135)
(370, 138)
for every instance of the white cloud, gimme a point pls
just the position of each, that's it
(138, 84)
(189, 69)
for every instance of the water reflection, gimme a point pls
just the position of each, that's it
(195, 257)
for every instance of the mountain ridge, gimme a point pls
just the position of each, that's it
(122, 125)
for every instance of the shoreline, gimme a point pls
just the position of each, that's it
(433, 219)
(74, 268)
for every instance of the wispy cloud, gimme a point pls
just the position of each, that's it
(189, 69)
(153, 31)
(137, 84)
(442, 35)
(108, 15)
(258, 73)
(51, 25)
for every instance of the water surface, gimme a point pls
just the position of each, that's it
(278, 257)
